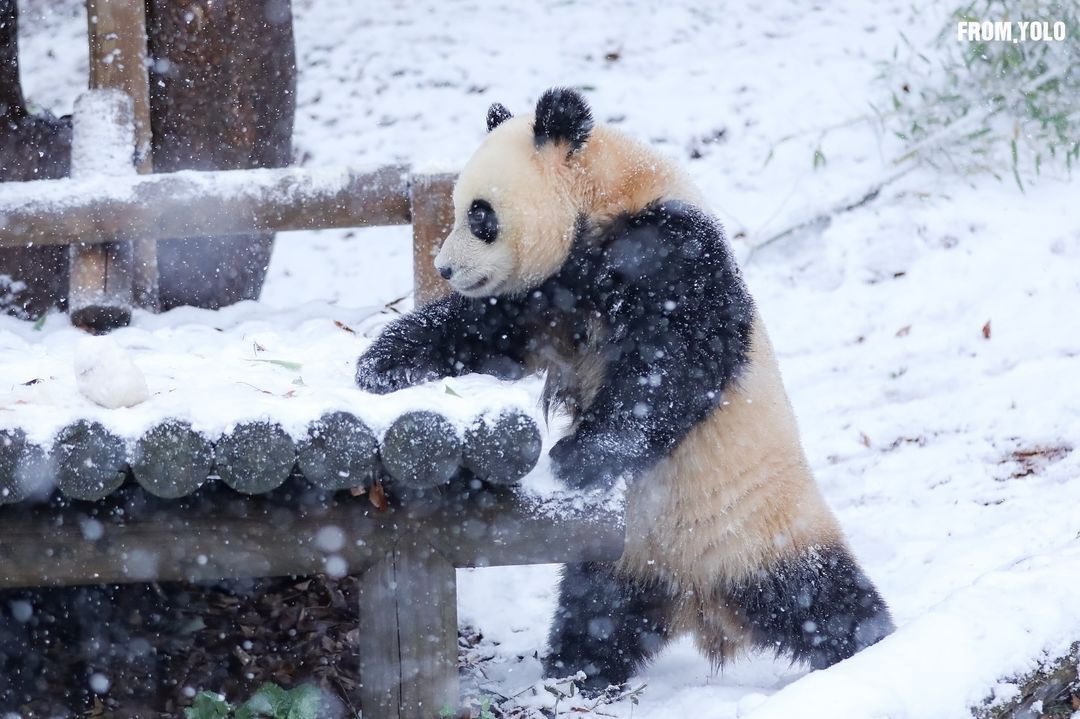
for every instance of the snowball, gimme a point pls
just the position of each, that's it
(106, 375)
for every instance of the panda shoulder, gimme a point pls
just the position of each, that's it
(668, 222)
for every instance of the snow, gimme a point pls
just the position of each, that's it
(106, 375)
(948, 456)
(102, 135)
(215, 370)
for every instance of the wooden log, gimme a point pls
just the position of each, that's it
(32, 147)
(255, 457)
(100, 292)
(172, 460)
(90, 461)
(24, 467)
(432, 203)
(502, 449)
(117, 38)
(198, 203)
(421, 450)
(339, 452)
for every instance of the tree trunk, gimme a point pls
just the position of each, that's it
(222, 97)
(32, 279)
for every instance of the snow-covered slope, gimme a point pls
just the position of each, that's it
(929, 339)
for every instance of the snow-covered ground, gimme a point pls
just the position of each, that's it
(930, 339)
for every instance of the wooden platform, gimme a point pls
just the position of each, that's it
(405, 557)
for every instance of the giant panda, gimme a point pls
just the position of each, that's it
(582, 253)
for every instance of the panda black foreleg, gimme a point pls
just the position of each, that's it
(451, 336)
(606, 625)
(818, 607)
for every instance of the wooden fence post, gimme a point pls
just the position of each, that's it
(432, 204)
(408, 634)
(117, 35)
(102, 141)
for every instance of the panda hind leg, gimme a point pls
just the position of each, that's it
(818, 607)
(606, 625)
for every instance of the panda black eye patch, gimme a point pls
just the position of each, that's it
(482, 221)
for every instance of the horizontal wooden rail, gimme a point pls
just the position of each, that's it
(192, 203)
(218, 535)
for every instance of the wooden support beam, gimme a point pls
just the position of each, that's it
(377, 646)
(408, 635)
(432, 201)
(117, 36)
(189, 203)
(217, 535)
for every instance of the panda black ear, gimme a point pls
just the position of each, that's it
(497, 115)
(562, 115)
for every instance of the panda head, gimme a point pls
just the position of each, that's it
(517, 200)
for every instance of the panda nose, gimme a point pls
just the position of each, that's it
(446, 272)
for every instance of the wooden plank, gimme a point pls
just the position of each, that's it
(432, 202)
(492, 526)
(218, 534)
(426, 599)
(189, 203)
(117, 37)
(100, 289)
(378, 644)
(219, 537)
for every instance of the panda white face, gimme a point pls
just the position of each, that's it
(474, 259)
(515, 206)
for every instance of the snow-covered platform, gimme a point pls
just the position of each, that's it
(247, 394)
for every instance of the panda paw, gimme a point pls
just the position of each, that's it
(381, 375)
(582, 465)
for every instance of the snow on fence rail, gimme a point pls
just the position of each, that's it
(193, 203)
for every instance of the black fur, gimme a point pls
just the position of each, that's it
(678, 318)
(451, 336)
(606, 625)
(562, 115)
(483, 222)
(818, 607)
(497, 115)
